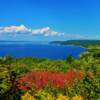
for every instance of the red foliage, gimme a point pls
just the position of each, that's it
(41, 79)
(24, 83)
(57, 79)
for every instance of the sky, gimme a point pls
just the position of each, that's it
(48, 20)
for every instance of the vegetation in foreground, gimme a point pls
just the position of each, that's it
(44, 79)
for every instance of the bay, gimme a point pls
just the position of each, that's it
(40, 50)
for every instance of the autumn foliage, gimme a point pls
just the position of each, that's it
(41, 79)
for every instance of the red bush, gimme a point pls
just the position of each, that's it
(40, 79)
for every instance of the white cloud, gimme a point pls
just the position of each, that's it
(15, 29)
(45, 31)
(40, 31)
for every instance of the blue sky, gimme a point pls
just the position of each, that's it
(47, 20)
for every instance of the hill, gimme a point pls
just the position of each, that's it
(84, 43)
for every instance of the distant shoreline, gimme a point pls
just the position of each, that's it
(81, 43)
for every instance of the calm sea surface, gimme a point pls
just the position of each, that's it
(40, 50)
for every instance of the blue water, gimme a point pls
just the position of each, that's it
(40, 50)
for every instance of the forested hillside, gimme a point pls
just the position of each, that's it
(84, 43)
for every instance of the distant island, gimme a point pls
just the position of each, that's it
(84, 43)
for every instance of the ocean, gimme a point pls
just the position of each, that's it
(49, 51)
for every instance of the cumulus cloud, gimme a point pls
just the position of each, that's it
(45, 31)
(11, 29)
(40, 31)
